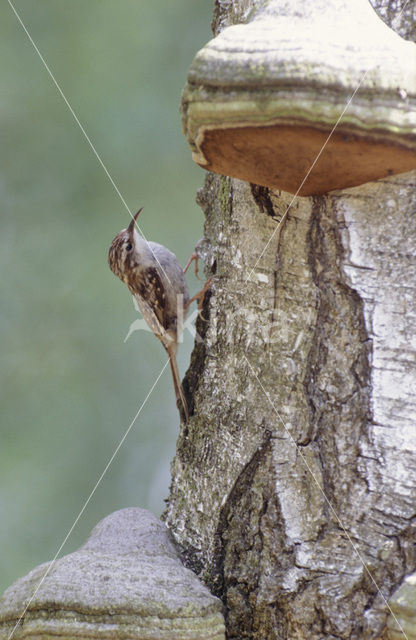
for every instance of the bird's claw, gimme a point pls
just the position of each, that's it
(194, 256)
(200, 296)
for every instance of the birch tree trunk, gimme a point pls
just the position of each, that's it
(293, 487)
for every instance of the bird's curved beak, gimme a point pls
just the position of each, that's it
(130, 228)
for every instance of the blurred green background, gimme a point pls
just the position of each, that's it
(70, 386)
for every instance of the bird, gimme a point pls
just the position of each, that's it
(154, 276)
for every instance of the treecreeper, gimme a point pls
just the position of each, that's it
(157, 281)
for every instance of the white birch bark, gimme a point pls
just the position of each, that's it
(294, 487)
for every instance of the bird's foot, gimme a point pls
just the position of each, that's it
(194, 257)
(200, 296)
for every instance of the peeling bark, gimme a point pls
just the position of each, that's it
(293, 487)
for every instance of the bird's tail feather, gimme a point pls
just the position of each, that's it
(177, 381)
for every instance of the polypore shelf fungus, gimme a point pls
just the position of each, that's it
(304, 97)
(126, 581)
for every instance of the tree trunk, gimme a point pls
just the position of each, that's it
(293, 487)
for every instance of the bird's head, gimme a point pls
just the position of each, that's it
(122, 255)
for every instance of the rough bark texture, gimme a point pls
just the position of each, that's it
(398, 14)
(293, 487)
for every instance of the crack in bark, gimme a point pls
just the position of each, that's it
(263, 200)
(243, 483)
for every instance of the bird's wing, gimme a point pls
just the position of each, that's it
(150, 294)
(171, 271)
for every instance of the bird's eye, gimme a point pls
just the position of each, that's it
(129, 246)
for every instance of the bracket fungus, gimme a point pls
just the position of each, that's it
(263, 97)
(403, 606)
(126, 581)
